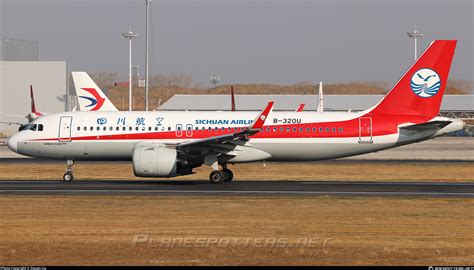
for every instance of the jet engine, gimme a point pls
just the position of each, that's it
(154, 160)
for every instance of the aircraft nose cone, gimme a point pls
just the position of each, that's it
(12, 143)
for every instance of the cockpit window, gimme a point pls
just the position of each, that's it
(28, 127)
(33, 127)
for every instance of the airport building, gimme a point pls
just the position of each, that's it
(19, 68)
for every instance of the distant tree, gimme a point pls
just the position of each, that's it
(105, 79)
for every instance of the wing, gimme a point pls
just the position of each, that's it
(254, 128)
(224, 144)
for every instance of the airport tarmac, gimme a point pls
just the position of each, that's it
(291, 188)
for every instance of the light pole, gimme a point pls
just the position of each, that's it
(147, 3)
(415, 35)
(129, 35)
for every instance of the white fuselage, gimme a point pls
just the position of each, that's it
(286, 136)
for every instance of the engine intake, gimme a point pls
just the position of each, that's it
(155, 161)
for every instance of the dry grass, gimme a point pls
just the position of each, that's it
(340, 171)
(81, 230)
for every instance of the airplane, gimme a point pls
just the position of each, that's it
(31, 116)
(86, 90)
(169, 143)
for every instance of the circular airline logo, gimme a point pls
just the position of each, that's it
(425, 82)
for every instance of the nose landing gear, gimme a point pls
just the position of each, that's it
(68, 173)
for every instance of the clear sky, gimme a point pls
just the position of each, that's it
(246, 41)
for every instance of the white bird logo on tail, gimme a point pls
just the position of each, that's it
(425, 83)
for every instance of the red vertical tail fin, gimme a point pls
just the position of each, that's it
(232, 97)
(420, 90)
(33, 107)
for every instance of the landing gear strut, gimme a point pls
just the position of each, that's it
(68, 173)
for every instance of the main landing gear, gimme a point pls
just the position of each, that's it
(218, 176)
(224, 175)
(68, 173)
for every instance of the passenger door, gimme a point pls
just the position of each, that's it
(65, 123)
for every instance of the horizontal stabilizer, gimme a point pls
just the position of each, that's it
(434, 125)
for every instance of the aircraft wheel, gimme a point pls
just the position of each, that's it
(217, 177)
(228, 175)
(68, 177)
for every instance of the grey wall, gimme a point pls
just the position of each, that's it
(49, 82)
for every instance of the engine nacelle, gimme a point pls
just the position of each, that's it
(154, 160)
